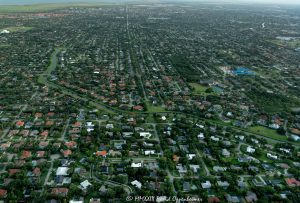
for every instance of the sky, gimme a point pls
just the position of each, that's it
(20, 2)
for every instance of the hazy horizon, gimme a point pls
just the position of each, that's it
(23, 2)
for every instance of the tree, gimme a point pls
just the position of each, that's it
(281, 131)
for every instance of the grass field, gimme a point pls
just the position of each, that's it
(200, 89)
(267, 132)
(151, 108)
(290, 44)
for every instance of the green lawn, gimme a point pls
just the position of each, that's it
(200, 89)
(151, 108)
(295, 43)
(267, 132)
(264, 158)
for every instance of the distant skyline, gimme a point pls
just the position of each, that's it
(22, 2)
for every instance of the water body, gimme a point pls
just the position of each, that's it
(243, 71)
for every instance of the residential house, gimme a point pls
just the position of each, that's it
(292, 182)
(136, 165)
(251, 197)
(85, 185)
(250, 149)
(60, 191)
(137, 184)
(206, 185)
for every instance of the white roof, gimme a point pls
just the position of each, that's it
(250, 149)
(214, 138)
(200, 126)
(90, 129)
(145, 134)
(201, 135)
(194, 167)
(274, 126)
(85, 184)
(229, 114)
(137, 184)
(225, 152)
(285, 150)
(62, 171)
(271, 156)
(4, 32)
(109, 126)
(136, 165)
(90, 124)
(205, 185)
(191, 156)
(147, 152)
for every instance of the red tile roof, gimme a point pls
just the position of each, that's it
(50, 114)
(101, 153)
(40, 153)
(60, 191)
(49, 123)
(20, 123)
(13, 171)
(77, 124)
(175, 158)
(295, 131)
(138, 108)
(26, 154)
(45, 133)
(213, 199)
(67, 152)
(292, 182)
(37, 171)
(38, 115)
(3, 193)
(71, 144)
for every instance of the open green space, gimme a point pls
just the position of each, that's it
(295, 43)
(267, 132)
(151, 108)
(53, 62)
(200, 89)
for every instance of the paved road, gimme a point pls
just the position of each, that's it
(49, 173)
(63, 135)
